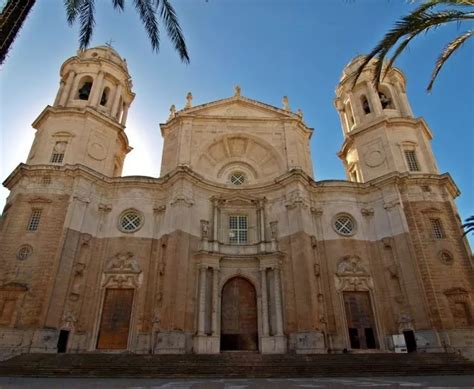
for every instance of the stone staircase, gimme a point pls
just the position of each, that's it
(234, 365)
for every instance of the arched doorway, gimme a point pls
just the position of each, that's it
(239, 316)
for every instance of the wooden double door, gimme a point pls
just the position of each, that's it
(115, 320)
(239, 329)
(360, 320)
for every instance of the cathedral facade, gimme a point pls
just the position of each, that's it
(235, 246)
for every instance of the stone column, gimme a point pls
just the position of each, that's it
(202, 300)
(278, 307)
(215, 226)
(115, 107)
(60, 92)
(374, 99)
(355, 109)
(263, 273)
(215, 300)
(124, 115)
(67, 88)
(262, 222)
(97, 89)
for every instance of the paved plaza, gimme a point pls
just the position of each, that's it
(345, 382)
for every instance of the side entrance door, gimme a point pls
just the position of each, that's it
(360, 320)
(115, 321)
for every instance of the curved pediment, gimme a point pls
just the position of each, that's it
(253, 157)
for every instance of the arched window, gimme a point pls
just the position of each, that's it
(385, 98)
(84, 90)
(105, 96)
(365, 104)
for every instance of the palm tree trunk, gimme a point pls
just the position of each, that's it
(12, 17)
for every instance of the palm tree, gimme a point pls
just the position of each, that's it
(15, 12)
(429, 15)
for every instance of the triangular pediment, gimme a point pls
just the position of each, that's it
(238, 107)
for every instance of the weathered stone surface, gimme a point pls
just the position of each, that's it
(174, 242)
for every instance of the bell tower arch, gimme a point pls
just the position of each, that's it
(381, 135)
(86, 123)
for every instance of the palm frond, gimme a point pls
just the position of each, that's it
(450, 48)
(168, 15)
(118, 4)
(468, 226)
(86, 15)
(72, 9)
(420, 20)
(147, 15)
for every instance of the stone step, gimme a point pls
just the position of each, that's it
(234, 365)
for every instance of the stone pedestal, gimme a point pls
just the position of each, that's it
(14, 342)
(78, 342)
(143, 343)
(273, 344)
(311, 342)
(206, 344)
(172, 342)
(45, 341)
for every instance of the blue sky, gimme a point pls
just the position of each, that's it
(271, 48)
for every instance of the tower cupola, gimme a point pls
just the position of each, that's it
(86, 123)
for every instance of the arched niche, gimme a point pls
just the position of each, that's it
(84, 88)
(238, 152)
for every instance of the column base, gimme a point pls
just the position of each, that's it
(207, 344)
(172, 342)
(309, 342)
(273, 344)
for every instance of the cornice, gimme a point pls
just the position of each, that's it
(184, 172)
(81, 112)
(388, 122)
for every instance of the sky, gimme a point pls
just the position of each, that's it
(270, 48)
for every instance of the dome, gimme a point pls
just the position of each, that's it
(106, 52)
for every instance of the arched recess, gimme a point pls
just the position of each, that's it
(84, 88)
(239, 325)
(256, 157)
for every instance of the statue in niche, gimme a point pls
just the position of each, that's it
(317, 269)
(204, 229)
(274, 230)
(77, 281)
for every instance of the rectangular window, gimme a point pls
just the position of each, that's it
(238, 229)
(58, 152)
(412, 162)
(57, 157)
(34, 220)
(437, 229)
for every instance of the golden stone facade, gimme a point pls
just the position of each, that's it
(235, 246)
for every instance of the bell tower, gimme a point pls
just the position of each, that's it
(381, 135)
(86, 123)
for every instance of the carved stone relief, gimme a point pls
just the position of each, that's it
(122, 271)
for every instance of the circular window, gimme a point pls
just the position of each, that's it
(446, 257)
(237, 178)
(130, 221)
(344, 225)
(24, 252)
